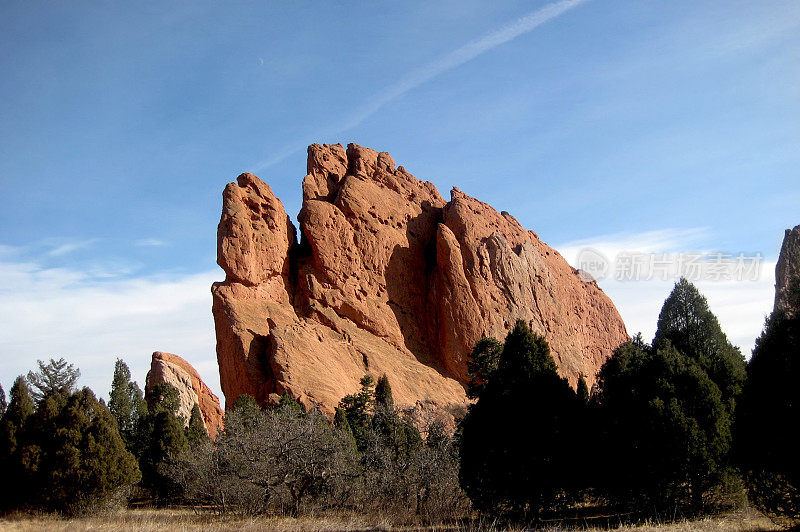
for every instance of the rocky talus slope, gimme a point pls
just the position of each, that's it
(386, 277)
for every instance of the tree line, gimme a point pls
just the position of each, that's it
(682, 425)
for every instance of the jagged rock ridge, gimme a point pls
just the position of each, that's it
(174, 370)
(387, 277)
(787, 273)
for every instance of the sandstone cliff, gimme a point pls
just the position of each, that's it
(172, 369)
(387, 277)
(787, 273)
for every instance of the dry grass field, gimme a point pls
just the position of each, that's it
(187, 520)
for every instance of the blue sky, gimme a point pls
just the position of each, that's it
(661, 125)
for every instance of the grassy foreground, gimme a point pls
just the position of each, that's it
(171, 519)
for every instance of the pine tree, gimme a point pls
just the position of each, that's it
(689, 326)
(15, 487)
(291, 405)
(3, 403)
(383, 393)
(358, 409)
(667, 428)
(766, 419)
(196, 432)
(481, 365)
(19, 409)
(341, 424)
(163, 397)
(83, 460)
(160, 438)
(57, 377)
(516, 439)
(126, 402)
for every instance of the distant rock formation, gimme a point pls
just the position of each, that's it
(787, 273)
(172, 369)
(387, 277)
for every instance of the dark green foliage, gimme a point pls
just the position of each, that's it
(82, 460)
(126, 403)
(3, 403)
(291, 405)
(667, 410)
(340, 420)
(13, 440)
(383, 393)
(517, 438)
(246, 410)
(767, 418)
(163, 397)
(668, 428)
(688, 324)
(357, 409)
(160, 438)
(481, 364)
(57, 377)
(66, 456)
(21, 403)
(196, 433)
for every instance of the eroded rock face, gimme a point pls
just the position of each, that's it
(172, 369)
(388, 277)
(787, 273)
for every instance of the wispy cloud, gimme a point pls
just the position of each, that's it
(66, 248)
(91, 319)
(740, 306)
(449, 61)
(150, 243)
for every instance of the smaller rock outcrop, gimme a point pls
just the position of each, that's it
(787, 273)
(172, 369)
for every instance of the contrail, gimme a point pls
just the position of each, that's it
(447, 62)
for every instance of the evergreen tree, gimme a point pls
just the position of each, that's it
(343, 426)
(668, 431)
(400, 436)
(126, 402)
(82, 460)
(15, 486)
(163, 397)
(516, 439)
(161, 438)
(248, 413)
(688, 324)
(13, 421)
(358, 408)
(196, 432)
(767, 416)
(383, 393)
(3, 403)
(291, 405)
(481, 364)
(57, 377)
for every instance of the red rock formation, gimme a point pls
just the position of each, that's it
(172, 369)
(388, 277)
